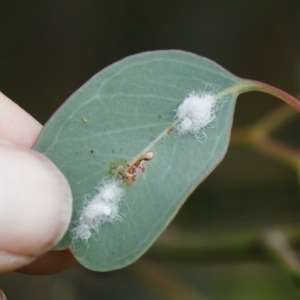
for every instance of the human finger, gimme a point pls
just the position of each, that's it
(35, 206)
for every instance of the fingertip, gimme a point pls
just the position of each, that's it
(35, 205)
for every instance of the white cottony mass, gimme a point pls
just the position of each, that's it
(195, 112)
(102, 208)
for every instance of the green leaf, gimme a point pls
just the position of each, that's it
(123, 112)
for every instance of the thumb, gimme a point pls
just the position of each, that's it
(35, 206)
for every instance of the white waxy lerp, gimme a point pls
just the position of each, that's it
(194, 114)
(102, 208)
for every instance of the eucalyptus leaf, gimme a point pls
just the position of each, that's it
(123, 112)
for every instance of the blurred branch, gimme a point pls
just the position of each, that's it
(265, 245)
(164, 283)
(225, 246)
(278, 249)
(274, 119)
(258, 137)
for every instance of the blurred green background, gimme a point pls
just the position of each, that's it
(48, 49)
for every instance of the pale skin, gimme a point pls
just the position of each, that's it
(35, 198)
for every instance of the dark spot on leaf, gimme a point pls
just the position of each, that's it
(91, 151)
(109, 89)
(170, 130)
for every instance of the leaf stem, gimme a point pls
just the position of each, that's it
(253, 85)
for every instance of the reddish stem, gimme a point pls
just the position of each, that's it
(253, 85)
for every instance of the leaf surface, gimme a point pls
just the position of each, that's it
(123, 112)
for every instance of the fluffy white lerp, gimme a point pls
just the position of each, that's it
(102, 208)
(194, 114)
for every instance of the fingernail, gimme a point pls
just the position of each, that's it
(12, 261)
